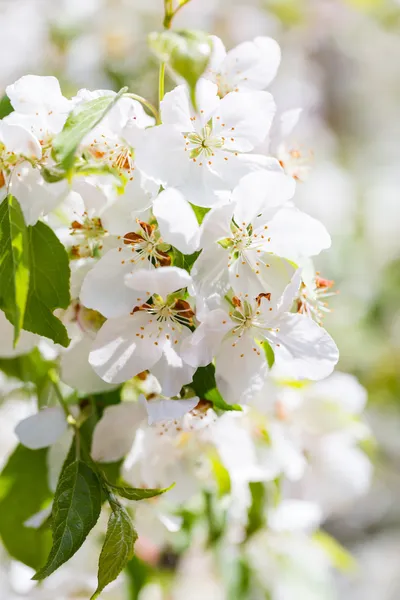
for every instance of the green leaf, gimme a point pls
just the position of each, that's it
(200, 212)
(24, 492)
(80, 122)
(14, 263)
(34, 275)
(341, 558)
(53, 174)
(205, 387)
(269, 353)
(186, 52)
(256, 517)
(118, 548)
(131, 493)
(76, 508)
(49, 284)
(137, 573)
(6, 107)
(184, 261)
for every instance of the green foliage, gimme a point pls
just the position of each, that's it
(205, 387)
(186, 52)
(200, 212)
(118, 547)
(137, 572)
(184, 261)
(80, 122)
(130, 493)
(5, 106)
(269, 353)
(14, 263)
(49, 284)
(34, 275)
(341, 559)
(256, 517)
(24, 492)
(76, 508)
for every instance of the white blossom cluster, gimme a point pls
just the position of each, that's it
(187, 252)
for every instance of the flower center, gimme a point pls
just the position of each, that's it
(203, 143)
(147, 244)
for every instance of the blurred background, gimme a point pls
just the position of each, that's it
(341, 65)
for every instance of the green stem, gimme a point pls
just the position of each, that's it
(145, 103)
(55, 381)
(170, 13)
(161, 83)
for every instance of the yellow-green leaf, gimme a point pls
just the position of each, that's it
(118, 547)
(76, 508)
(14, 263)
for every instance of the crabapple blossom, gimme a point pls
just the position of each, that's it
(249, 66)
(245, 240)
(204, 154)
(150, 336)
(234, 334)
(177, 317)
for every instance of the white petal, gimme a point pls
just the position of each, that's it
(167, 410)
(176, 220)
(205, 180)
(77, 372)
(253, 273)
(115, 432)
(306, 350)
(210, 274)
(218, 55)
(295, 235)
(252, 65)
(104, 288)
(198, 349)
(36, 197)
(176, 108)
(126, 346)
(42, 429)
(19, 141)
(342, 389)
(241, 368)
(295, 515)
(244, 119)
(261, 192)
(162, 281)
(216, 224)
(33, 93)
(161, 155)
(120, 217)
(56, 456)
(171, 371)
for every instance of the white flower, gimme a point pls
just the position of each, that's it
(205, 154)
(150, 336)
(232, 334)
(107, 143)
(244, 239)
(249, 66)
(139, 247)
(116, 431)
(39, 106)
